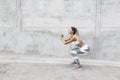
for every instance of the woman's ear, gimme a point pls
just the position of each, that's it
(72, 32)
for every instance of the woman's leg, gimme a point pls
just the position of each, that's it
(75, 57)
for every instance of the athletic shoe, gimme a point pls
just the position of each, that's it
(77, 67)
(73, 62)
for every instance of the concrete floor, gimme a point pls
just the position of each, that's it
(56, 71)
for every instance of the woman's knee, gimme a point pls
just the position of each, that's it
(73, 53)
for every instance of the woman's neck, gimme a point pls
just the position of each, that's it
(71, 35)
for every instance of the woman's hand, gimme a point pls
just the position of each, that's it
(62, 36)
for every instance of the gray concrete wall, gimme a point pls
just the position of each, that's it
(33, 27)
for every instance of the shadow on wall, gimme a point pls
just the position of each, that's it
(109, 42)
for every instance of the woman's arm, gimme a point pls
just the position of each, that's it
(68, 40)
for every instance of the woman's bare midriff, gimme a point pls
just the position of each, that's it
(81, 43)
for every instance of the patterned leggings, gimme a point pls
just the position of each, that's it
(78, 50)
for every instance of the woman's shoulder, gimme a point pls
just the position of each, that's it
(74, 36)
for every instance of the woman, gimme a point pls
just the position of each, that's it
(77, 45)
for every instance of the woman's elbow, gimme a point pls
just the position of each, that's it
(65, 43)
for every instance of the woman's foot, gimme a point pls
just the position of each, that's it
(73, 62)
(77, 67)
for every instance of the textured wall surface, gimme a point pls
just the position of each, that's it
(33, 27)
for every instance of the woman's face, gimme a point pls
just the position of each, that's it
(70, 31)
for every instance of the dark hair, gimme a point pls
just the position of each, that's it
(74, 30)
